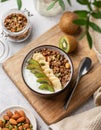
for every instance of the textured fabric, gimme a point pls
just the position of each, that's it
(89, 120)
(97, 97)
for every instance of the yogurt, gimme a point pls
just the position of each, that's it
(31, 80)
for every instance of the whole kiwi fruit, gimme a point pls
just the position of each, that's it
(66, 23)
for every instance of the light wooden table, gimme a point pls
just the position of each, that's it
(9, 94)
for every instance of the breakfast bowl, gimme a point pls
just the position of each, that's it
(47, 71)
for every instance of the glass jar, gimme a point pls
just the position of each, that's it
(42, 5)
(5, 50)
(16, 25)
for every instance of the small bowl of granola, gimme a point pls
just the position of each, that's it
(47, 70)
(16, 25)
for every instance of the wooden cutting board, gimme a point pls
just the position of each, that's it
(51, 110)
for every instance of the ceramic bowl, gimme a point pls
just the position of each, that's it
(30, 79)
(18, 108)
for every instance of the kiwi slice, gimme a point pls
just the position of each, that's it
(35, 71)
(40, 75)
(33, 66)
(63, 44)
(44, 81)
(68, 43)
(31, 61)
(46, 87)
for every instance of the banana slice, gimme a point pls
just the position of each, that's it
(48, 71)
(38, 57)
(56, 83)
(43, 62)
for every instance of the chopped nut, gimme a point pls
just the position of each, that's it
(67, 65)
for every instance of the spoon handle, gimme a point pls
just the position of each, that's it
(68, 100)
(83, 69)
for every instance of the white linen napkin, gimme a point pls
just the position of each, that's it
(89, 120)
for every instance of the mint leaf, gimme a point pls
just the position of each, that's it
(89, 39)
(96, 15)
(61, 3)
(97, 4)
(19, 3)
(69, 2)
(80, 22)
(83, 2)
(95, 27)
(52, 5)
(82, 13)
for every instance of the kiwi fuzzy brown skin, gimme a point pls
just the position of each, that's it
(71, 43)
(66, 23)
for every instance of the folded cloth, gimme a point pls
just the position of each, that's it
(89, 120)
(97, 97)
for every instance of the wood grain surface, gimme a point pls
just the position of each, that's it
(51, 110)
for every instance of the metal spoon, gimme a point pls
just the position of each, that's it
(83, 68)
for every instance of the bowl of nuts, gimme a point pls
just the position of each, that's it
(16, 25)
(47, 70)
(17, 118)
